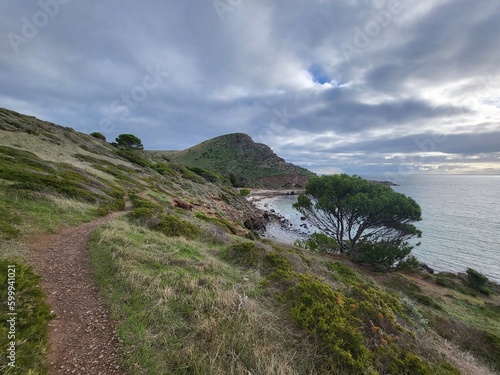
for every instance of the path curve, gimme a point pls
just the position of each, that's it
(82, 338)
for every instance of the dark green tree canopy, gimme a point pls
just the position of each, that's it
(98, 135)
(352, 210)
(129, 141)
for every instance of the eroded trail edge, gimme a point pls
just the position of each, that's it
(82, 337)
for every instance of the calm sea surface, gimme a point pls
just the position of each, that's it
(461, 220)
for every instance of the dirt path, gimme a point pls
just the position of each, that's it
(82, 337)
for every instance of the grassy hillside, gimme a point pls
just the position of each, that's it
(247, 163)
(193, 292)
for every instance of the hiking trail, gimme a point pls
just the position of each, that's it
(82, 337)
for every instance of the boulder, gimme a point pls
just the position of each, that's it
(426, 268)
(255, 223)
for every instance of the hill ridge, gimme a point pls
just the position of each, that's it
(246, 162)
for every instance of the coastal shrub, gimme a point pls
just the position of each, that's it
(276, 266)
(245, 192)
(133, 157)
(226, 224)
(206, 174)
(245, 254)
(384, 256)
(141, 213)
(344, 273)
(164, 169)
(413, 290)
(116, 172)
(105, 208)
(321, 243)
(218, 221)
(215, 234)
(477, 281)
(326, 315)
(139, 202)
(174, 227)
(98, 135)
(452, 281)
(223, 197)
(189, 175)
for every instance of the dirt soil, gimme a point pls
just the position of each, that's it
(82, 337)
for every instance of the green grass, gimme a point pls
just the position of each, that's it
(456, 313)
(31, 321)
(237, 157)
(45, 213)
(218, 309)
(184, 311)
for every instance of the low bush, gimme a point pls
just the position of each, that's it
(321, 243)
(276, 266)
(133, 157)
(477, 281)
(326, 315)
(244, 192)
(98, 135)
(451, 281)
(107, 207)
(164, 169)
(357, 330)
(139, 202)
(385, 256)
(173, 226)
(344, 273)
(206, 174)
(245, 254)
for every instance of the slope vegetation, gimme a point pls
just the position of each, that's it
(191, 291)
(246, 163)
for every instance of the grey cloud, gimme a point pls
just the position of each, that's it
(236, 72)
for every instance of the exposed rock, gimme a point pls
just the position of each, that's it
(255, 223)
(426, 268)
(283, 181)
(182, 204)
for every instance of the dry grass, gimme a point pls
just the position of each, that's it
(192, 313)
(61, 152)
(464, 362)
(15, 250)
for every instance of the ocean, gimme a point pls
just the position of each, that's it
(460, 220)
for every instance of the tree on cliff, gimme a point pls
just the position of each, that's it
(129, 141)
(98, 135)
(364, 218)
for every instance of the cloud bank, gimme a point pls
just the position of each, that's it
(357, 86)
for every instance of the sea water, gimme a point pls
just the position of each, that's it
(460, 220)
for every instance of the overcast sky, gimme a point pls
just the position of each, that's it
(359, 86)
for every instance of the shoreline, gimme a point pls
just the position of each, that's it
(278, 228)
(281, 230)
